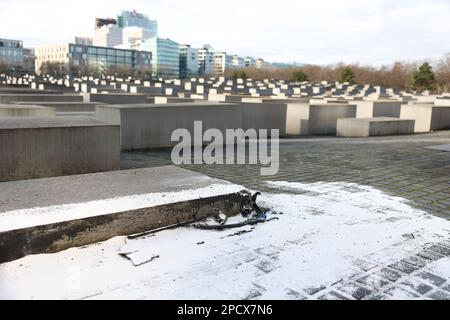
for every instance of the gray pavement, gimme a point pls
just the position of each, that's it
(401, 166)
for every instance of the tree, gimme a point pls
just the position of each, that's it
(299, 76)
(4, 67)
(239, 74)
(53, 68)
(347, 75)
(423, 78)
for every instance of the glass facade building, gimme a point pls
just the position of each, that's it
(135, 19)
(11, 52)
(188, 61)
(101, 58)
(92, 58)
(165, 56)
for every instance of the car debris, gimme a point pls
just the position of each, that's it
(137, 263)
(251, 209)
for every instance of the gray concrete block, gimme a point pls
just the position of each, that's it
(117, 98)
(366, 127)
(10, 98)
(428, 117)
(65, 106)
(317, 119)
(151, 126)
(36, 147)
(53, 233)
(8, 110)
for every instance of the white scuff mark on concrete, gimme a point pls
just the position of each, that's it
(334, 231)
(24, 218)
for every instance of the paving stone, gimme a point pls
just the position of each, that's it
(333, 295)
(416, 286)
(266, 265)
(445, 243)
(416, 261)
(440, 249)
(433, 279)
(356, 291)
(430, 255)
(379, 296)
(389, 274)
(440, 295)
(294, 294)
(373, 281)
(364, 264)
(313, 290)
(401, 293)
(404, 267)
(253, 294)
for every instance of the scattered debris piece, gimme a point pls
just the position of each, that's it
(248, 222)
(136, 260)
(239, 233)
(151, 233)
(200, 243)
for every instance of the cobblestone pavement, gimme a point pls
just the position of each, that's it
(414, 277)
(399, 165)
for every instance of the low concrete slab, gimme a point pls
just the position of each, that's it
(428, 117)
(73, 211)
(37, 147)
(316, 119)
(145, 126)
(378, 108)
(366, 127)
(165, 100)
(117, 98)
(8, 110)
(11, 98)
(65, 106)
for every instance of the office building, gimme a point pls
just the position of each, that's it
(92, 58)
(29, 59)
(86, 41)
(238, 62)
(135, 19)
(206, 60)
(11, 52)
(261, 64)
(108, 36)
(135, 35)
(165, 56)
(222, 62)
(250, 61)
(188, 61)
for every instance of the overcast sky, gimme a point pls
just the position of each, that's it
(309, 31)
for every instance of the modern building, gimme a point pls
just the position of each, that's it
(11, 52)
(135, 19)
(188, 61)
(84, 41)
(108, 36)
(222, 62)
(93, 58)
(29, 59)
(250, 62)
(238, 62)
(206, 60)
(135, 35)
(165, 56)
(261, 64)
